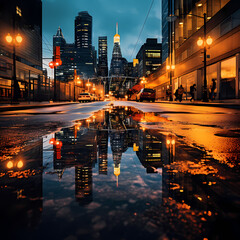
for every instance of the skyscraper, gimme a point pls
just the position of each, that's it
(83, 30)
(116, 62)
(167, 10)
(102, 56)
(83, 44)
(65, 72)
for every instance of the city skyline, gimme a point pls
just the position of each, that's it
(105, 16)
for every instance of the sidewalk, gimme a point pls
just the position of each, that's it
(26, 105)
(232, 103)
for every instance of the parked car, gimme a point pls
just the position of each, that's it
(146, 94)
(85, 97)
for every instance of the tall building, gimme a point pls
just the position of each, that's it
(83, 30)
(116, 62)
(116, 73)
(102, 56)
(167, 10)
(24, 18)
(222, 62)
(68, 52)
(83, 44)
(149, 57)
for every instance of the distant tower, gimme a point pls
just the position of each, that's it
(116, 62)
(58, 39)
(83, 31)
(102, 56)
(83, 45)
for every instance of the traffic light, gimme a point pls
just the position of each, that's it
(56, 58)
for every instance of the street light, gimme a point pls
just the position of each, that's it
(204, 42)
(14, 85)
(143, 81)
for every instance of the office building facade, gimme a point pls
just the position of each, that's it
(102, 56)
(222, 63)
(149, 57)
(83, 45)
(24, 18)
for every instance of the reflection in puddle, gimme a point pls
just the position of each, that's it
(111, 177)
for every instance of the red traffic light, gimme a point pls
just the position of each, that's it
(51, 64)
(58, 144)
(52, 141)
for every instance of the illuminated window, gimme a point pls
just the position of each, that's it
(153, 55)
(228, 68)
(18, 11)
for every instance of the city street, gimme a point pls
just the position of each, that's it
(120, 170)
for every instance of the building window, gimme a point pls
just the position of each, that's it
(211, 74)
(228, 78)
(18, 11)
(153, 55)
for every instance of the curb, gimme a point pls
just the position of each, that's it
(225, 105)
(23, 107)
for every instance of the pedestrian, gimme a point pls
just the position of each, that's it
(176, 95)
(214, 85)
(180, 93)
(192, 91)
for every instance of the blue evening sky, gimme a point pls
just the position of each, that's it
(130, 15)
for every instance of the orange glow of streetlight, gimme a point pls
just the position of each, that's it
(168, 67)
(10, 164)
(199, 42)
(20, 164)
(209, 41)
(9, 38)
(172, 67)
(19, 38)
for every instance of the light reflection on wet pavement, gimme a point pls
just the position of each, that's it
(119, 174)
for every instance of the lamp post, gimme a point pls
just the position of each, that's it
(14, 85)
(170, 68)
(143, 81)
(204, 42)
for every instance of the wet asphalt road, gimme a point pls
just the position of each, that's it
(176, 171)
(217, 130)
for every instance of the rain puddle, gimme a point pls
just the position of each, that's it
(111, 177)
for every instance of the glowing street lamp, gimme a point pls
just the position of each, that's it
(205, 42)
(9, 38)
(143, 81)
(14, 40)
(19, 38)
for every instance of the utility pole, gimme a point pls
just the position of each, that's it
(205, 95)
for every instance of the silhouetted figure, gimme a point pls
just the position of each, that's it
(192, 91)
(176, 95)
(214, 85)
(180, 93)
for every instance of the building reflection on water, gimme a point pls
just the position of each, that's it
(86, 144)
(97, 142)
